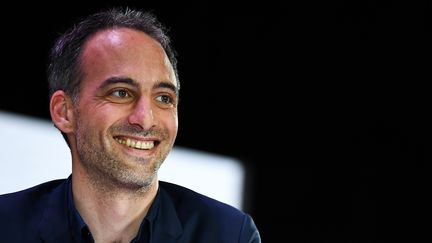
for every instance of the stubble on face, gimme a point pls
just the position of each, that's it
(108, 168)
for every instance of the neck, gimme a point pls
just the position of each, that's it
(112, 215)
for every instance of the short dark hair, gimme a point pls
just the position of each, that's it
(64, 71)
(64, 60)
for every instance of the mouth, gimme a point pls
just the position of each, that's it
(137, 144)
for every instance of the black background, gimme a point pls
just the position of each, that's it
(326, 104)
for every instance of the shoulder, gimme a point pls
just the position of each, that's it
(207, 218)
(32, 192)
(184, 198)
(21, 212)
(26, 202)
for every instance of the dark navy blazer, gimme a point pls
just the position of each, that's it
(39, 214)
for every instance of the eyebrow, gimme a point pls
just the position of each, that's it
(129, 81)
(166, 85)
(116, 80)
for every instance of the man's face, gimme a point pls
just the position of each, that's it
(126, 115)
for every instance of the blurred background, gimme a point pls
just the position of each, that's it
(325, 105)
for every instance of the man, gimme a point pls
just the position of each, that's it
(114, 95)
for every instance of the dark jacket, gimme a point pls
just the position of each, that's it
(39, 214)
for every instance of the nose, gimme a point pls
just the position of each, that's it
(142, 114)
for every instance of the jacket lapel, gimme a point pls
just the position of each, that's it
(167, 227)
(54, 224)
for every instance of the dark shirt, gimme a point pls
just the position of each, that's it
(81, 233)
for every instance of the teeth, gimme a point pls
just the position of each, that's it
(136, 144)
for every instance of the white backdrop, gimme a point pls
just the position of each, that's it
(32, 151)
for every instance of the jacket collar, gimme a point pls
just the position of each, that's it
(54, 226)
(167, 226)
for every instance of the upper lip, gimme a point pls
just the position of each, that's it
(138, 138)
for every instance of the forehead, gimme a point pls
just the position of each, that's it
(127, 53)
(122, 37)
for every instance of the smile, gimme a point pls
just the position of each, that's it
(135, 143)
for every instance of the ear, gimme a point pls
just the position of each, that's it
(61, 111)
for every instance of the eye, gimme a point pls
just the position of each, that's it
(121, 93)
(165, 99)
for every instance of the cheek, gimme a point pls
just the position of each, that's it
(175, 127)
(171, 123)
(97, 118)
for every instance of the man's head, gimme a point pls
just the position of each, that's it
(114, 93)
(64, 70)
